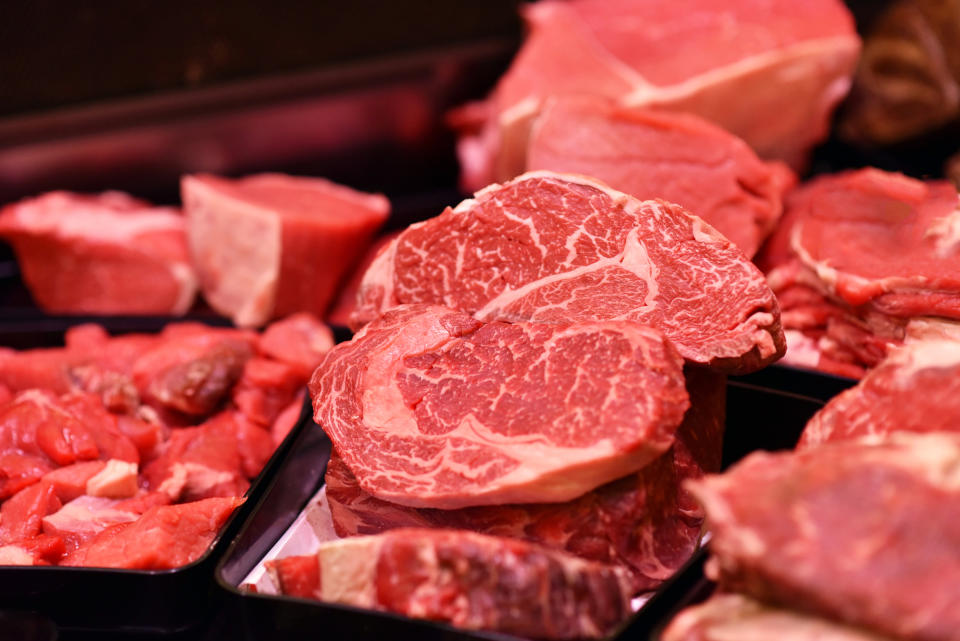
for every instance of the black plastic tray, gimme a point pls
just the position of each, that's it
(135, 602)
(757, 418)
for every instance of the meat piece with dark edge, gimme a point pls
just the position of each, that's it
(471, 580)
(644, 522)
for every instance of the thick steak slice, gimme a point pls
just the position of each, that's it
(562, 248)
(473, 581)
(270, 245)
(740, 618)
(885, 239)
(429, 407)
(917, 389)
(643, 523)
(674, 156)
(794, 62)
(104, 254)
(856, 532)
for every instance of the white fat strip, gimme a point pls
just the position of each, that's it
(924, 354)
(312, 527)
(70, 218)
(348, 569)
(633, 258)
(184, 275)
(834, 48)
(802, 350)
(945, 233)
(935, 456)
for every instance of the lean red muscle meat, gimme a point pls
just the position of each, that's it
(916, 389)
(644, 523)
(859, 254)
(431, 408)
(103, 254)
(473, 581)
(270, 245)
(794, 61)
(653, 154)
(562, 248)
(861, 533)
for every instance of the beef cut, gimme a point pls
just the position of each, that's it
(270, 245)
(916, 389)
(794, 61)
(429, 407)
(734, 616)
(674, 156)
(857, 255)
(861, 533)
(561, 248)
(103, 254)
(473, 581)
(644, 522)
(164, 537)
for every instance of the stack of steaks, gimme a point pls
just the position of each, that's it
(854, 536)
(857, 256)
(544, 363)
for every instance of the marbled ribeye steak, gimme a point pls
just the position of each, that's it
(560, 248)
(429, 407)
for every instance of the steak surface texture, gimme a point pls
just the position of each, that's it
(429, 407)
(559, 248)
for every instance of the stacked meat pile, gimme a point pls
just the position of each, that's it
(259, 247)
(544, 362)
(771, 75)
(132, 451)
(857, 256)
(854, 536)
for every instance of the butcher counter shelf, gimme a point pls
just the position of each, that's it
(757, 418)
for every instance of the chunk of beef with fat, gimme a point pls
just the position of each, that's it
(269, 245)
(102, 254)
(473, 581)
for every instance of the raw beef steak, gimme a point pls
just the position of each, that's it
(643, 523)
(856, 532)
(794, 61)
(270, 245)
(562, 248)
(740, 618)
(916, 389)
(857, 255)
(674, 156)
(878, 238)
(473, 581)
(104, 254)
(429, 407)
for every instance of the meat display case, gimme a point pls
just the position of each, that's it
(367, 111)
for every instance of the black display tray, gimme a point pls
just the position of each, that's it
(125, 602)
(757, 418)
